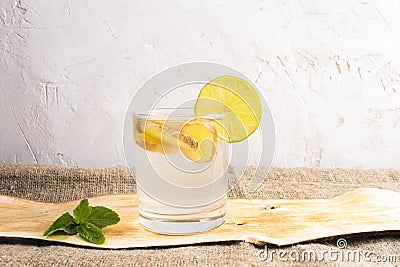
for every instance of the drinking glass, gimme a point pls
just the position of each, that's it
(178, 192)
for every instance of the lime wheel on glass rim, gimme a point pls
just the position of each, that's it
(236, 96)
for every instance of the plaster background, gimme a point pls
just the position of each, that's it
(330, 71)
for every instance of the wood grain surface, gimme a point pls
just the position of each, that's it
(257, 221)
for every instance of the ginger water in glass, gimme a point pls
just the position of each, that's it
(180, 167)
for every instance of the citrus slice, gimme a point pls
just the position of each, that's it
(235, 96)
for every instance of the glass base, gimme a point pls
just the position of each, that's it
(179, 227)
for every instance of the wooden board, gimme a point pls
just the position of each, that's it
(257, 221)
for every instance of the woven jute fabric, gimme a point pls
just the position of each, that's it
(56, 184)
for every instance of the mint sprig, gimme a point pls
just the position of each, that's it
(88, 222)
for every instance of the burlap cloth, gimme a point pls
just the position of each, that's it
(55, 184)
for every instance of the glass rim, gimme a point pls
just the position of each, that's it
(168, 114)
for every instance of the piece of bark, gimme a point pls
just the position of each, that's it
(258, 221)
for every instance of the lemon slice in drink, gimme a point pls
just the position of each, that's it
(236, 96)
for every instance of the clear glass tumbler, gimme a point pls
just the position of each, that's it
(180, 167)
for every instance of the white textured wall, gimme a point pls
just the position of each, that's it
(330, 71)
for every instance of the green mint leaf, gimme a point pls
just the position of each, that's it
(70, 229)
(82, 211)
(63, 221)
(88, 222)
(102, 217)
(91, 233)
